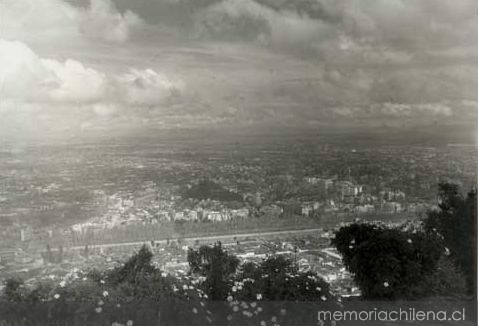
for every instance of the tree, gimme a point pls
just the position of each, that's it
(455, 222)
(388, 264)
(138, 266)
(216, 265)
(12, 290)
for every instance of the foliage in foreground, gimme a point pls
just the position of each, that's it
(437, 259)
(455, 223)
(218, 292)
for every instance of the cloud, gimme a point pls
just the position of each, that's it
(103, 21)
(399, 113)
(20, 70)
(147, 87)
(436, 110)
(328, 27)
(248, 19)
(28, 80)
(74, 82)
(276, 60)
(58, 21)
(27, 77)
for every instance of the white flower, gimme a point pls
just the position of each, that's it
(236, 308)
(100, 303)
(129, 323)
(229, 298)
(386, 284)
(259, 296)
(105, 293)
(164, 274)
(229, 317)
(98, 310)
(323, 298)
(253, 304)
(195, 310)
(102, 282)
(118, 305)
(62, 284)
(273, 319)
(263, 323)
(56, 296)
(409, 241)
(447, 251)
(318, 288)
(234, 289)
(185, 287)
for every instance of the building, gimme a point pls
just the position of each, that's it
(323, 183)
(306, 210)
(367, 208)
(7, 256)
(179, 216)
(392, 207)
(239, 213)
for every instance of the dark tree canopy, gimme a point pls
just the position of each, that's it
(207, 189)
(216, 265)
(388, 264)
(394, 263)
(138, 265)
(455, 221)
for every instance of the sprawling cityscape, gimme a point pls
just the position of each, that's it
(98, 203)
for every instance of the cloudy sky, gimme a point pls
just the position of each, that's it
(73, 67)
